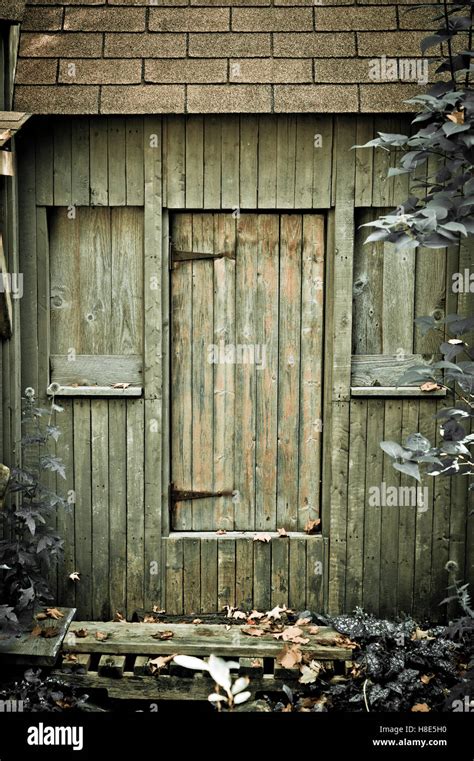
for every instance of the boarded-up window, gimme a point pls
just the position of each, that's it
(96, 288)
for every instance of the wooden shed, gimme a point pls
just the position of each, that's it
(196, 286)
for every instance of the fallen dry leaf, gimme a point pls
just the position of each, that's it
(121, 385)
(163, 635)
(429, 386)
(147, 619)
(64, 702)
(239, 615)
(420, 634)
(158, 663)
(310, 673)
(288, 708)
(227, 627)
(276, 612)
(293, 634)
(196, 621)
(118, 618)
(282, 532)
(312, 526)
(101, 636)
(252, 631)
(426, 678)
(289, 657)
(75, 576)
(221, 532)
(313, 630)
(456, 116)
(255, 614)
(81, 633)
(36, 631)
(342, 641)
(50, 631)
(420, 708)
(262, 538)
(41, 616)
(158, 610)
(303, 621)
(70, 658)
(54, 613)
(256, 662)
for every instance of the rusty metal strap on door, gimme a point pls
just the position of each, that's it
(180, 495)
(189, 256)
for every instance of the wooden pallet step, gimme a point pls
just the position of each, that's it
(112, 665)
(191, 639)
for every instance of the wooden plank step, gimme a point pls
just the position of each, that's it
(193, 639)
(112, 665)
(132, 687)
(38, 650)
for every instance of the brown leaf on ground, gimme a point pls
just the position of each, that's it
(426, 678)
(429, 386)
(256, 662)
(54, 613)
(196, 621)
(310, 673)
(158, 663)
(303, 621)
(118, 618)
(420, 634)
(288, 708)
(312, 526)
(239, 615)
(158, 610)
(276, 612)
(290, 657)
(36, 631)
(457, 117)
(313, 630)
(64, 703)
(101, 636)
(150, 619)
(221, 532)
(120, 385)
(262, 538)
(255, 614)
(81, 633)
(70, 658)
(252, 631)
(282, 532)
(421, 708)
(342, 641)
(163, 635)
(41, 616)
(50, 631)
(293, 634)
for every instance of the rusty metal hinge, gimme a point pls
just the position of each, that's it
(189, 256)
(180, 495)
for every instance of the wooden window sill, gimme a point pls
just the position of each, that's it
(95, 391)
(395, 391)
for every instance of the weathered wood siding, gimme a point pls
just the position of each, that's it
(117, 450)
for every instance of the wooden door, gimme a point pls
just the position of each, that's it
(246, 370)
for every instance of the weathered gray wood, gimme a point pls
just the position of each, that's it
(197, 639)
(194, 162)
(97, 391)
(323, 130)
(364, 161)
(42, 251)
(248, 161)
(116, 161)
(174, 576)
(83, 504)
(103, 370)
(372, 513)
(225, 574)
(244, 573)
(134, 161)
(367, 289)
(394, 391)
(398, 298)
(267, 162)
(135, 505)
(127, 323)
(208, 574)
(286, 153)
(62, 162)
(100, 508)
(37, 651)
(6, 309)
(297, 573)
(407, 520)
(230, 146)
(80, 179)
(65, 516)
(280, 568)
(175, 163)
(118, 506)
(44, 185)
(389, 533)
(261, 575)
(375, 370)
(212, 162)
(99, 162)
(153, 505)
(4, 481)
(191, 575)
(356, 503)
(305, 150)
(112, 666)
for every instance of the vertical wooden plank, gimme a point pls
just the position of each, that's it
(368, 293)
(297, 573)
(322, 161)
(166, 381)
(42, 253)
(65, 521)
(155, 313)
(174, 575)
(407, 519)
(398, 298)
(245, 374)
(267, 162)
(424, 522)
(261, 575)
(100, 508)
(65, 309)
(311, 350)
(314, 574)
(191, 575)
(134, 163)
(96, 280)
(224, 373)
(266, 454)
(390, 513)
(194, 162)
(126, 334)
(279, 588)
(116, 161)
(99, 179)
(340, 348)
(175, 166)
(327, 381)
(225, 573)
(44, 164)
(135, 505)
(80, 180)
(364, 161)
(373, 514)
(62, 162)
(291, 233)
(244, 573)
(212, 162)
(305, 148)
(383, 188)
(356, 501)
(208, 574)
(430, 295)
(27, 243)
(248, 161)
(230, 162)
(181, 372)
(118, 505)
(83, 508)
(286, 159)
